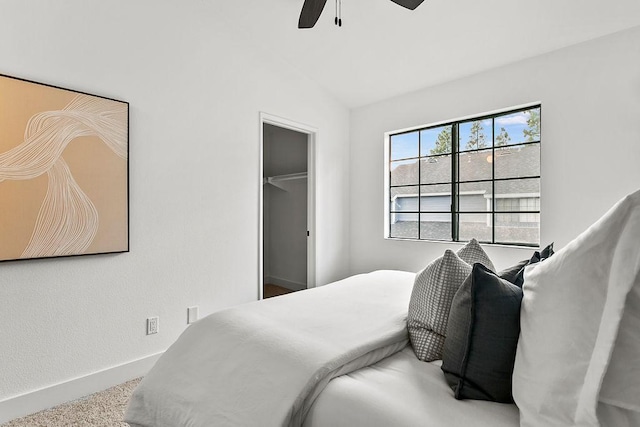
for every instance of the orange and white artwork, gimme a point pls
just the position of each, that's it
(63, 172)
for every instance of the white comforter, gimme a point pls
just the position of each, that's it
(264, 363)
(403, 391)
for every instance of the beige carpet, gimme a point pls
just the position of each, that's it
(105, 409)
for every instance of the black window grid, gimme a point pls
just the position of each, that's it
(455, 181)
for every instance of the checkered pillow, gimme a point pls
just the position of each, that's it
(472, 252)
(432, 295)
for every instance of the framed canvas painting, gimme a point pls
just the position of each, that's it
(64, 172)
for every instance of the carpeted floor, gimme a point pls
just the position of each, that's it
(103, 409)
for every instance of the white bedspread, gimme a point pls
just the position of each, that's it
(263, 363)
(402, 391)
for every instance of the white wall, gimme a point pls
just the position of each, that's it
(195, 90)
(590, 96)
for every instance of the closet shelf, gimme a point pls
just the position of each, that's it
(274, 180)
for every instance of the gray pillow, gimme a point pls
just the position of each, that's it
(433, 291)
(482, 337)
(472, 252)
(515, 274)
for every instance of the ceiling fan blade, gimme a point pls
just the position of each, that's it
(311, 10)
(409, 4)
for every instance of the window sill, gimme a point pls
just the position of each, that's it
(450, 242)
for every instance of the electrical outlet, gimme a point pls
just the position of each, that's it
(192, 314)
(152, 325)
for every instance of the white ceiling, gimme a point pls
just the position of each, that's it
(383, 50)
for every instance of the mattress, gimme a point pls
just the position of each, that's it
(402, 391)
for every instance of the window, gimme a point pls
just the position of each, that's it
(477, 177)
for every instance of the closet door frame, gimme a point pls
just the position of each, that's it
(312, 138)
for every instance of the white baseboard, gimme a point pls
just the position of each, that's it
(31, 402)
(294, 286)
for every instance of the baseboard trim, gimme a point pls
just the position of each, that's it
(47, 397)
(294, 286)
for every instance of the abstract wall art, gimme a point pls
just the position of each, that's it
(64, 172)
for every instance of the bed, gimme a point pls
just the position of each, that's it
(401, 390)
(344, 355)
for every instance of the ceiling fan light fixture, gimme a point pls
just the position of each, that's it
(312, 9)
(409, 4)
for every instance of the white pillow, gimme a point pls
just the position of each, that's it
(571, 312)
(621, 384)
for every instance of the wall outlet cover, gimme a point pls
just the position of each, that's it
(152, 325)
(192, 314)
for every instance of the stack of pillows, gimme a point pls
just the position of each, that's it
(463, 312)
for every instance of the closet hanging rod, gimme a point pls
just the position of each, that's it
(287, 177)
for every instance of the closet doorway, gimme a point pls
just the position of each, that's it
(287, 206)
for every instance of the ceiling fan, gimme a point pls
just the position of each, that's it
(312, 9)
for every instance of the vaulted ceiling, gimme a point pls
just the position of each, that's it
(383, 50)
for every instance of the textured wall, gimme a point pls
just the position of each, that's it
(590, 96)
(195, 89)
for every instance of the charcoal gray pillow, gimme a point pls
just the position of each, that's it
(547, 252)
(482, 337)
(515, 274)
(433, 291)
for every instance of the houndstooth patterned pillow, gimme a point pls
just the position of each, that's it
(433, 292)
(472, 252)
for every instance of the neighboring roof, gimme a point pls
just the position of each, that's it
(509, 162)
